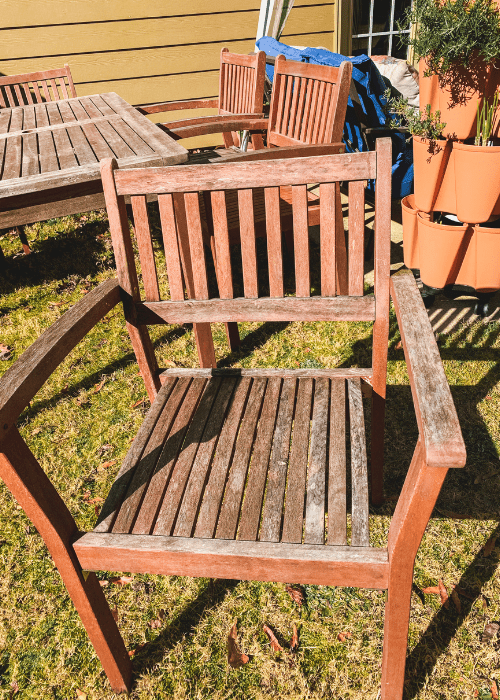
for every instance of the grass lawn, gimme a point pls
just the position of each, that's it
(80, 426)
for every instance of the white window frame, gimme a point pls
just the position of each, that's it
(344, 28)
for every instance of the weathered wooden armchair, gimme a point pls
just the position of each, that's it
(233, 472)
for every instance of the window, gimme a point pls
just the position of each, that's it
(375, 27)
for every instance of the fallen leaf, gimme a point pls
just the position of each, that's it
(5, 352)
(275, 645)
(82, 401)
(105, 465)
(432, 590)
(97, 510)
(114, 612)
(489, 546)
(80, 694)
(99, 386)
(97, 499)
(296, 593)
(398, 345)
(494, 690)
(54, 304)
(342, 636)
(122, 580)
(456, 600)
(294, 642)
(86, 495)
(103, 582)
(235, 657)
(138, 403)
(36, 431)
(490, 631)
(14, 688)
(132, 652)
(155, 624)
(444, 594)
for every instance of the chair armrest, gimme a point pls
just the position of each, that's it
(219, 124)
(30, 371)
(436, 415)
(319, 149)
(211, 103)
(208, 120)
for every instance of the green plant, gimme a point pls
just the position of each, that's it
(452, 33)
(486, 121)
(426, 124)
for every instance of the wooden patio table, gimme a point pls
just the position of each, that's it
(50, 153)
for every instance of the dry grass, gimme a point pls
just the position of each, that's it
(73, 429)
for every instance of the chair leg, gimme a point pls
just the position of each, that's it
(397, 619)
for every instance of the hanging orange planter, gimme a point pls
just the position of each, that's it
(477, 181)
(443, 252)
(487, 258)
(429, 163)
(410, 233)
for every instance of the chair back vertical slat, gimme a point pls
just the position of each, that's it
(223, 79)
(3, 103)
(195, 233)
(324, 119)
(46, 92)
(223, 253)
(63, 88)
(356, 237)
(300, 86)
(301, 241)
(320, 113)
(327, 239)
(293, 107)
(170, 243)
(145, 247)
(17, 90)
(248, 244)
(285, 123)
(338, 105)
(37, 92)
(27, 92)
(311, 117)
(54, 89)
(274, 249)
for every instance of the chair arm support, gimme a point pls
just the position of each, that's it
(211, 103)
(30, 371)
(436, 415)
(303, 151)
(219, 124)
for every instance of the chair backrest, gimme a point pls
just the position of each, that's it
(241, 82)
(32, 88)
(308, 103)
(259, 283)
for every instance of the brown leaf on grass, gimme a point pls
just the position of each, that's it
(114, 612)
(431, 590)
(137, 649)
(82, 401)
(14, 688)
(99, 386)
(490, 631)
(444, 594)
(275, 645)
(5, 352)
(294, 642)
(155, 624)
(494, 690)
(105, 465)
(456, 600)
(97, 499)
(103, 582)
(296, 593)
(138, 403)
(36, 431)
(235, 656)
(56, 303)
(489, 546)
(80, 694)
(121, 580)
(398, 345)
(342, 636)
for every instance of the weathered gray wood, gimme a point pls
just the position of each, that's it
(314, 529)
(337, 373)
(337, 506)
(436, 415)
(228, 518)
(359, 468)
(27, 375)
(293, 521)
(262, 561)
(261, 309)
(278, 465)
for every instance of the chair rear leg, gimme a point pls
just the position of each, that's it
(397, 618)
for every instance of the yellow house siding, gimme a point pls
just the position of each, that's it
(145, 51)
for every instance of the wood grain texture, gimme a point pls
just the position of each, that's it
(145, 246)
(356, 237)
(337, 482)
(314, 528)
(359, 466)
(337, 373)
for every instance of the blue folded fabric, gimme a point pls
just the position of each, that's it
(371, 88)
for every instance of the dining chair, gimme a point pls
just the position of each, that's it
(246, 474)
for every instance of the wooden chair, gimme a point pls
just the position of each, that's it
(33, 88)
(232, 472)
(241, 91)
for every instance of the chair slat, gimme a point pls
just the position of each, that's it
(293, 107)
(145, 246)
(256, 481)
(276, 118)
(284, 127)
(63, 88)
(301, 241)
(10, 96)
(196, 248)
(36, 88)
(312, 112)
(20, 98)
(27, 92)
(278, 465)
(248, 244)
(182, 469)
(146, 465)
(337, 508)
(326, 113)
(191, 500)
(55, 91)
(328, 239)
(214, 490)
(230, 511)
(359, 468)
(274, 252)
(293, 521)
(159, 478)
(170, 244)
(314, 532)
(356, 237)
(301, 85)
(321, 114)
(223, 253)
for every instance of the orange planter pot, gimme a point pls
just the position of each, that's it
(477, 181)
(487, 242)
(429, 169)
(444, 253)
(410, 233)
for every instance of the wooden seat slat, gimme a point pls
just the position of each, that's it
(214, 490)
(270, 529)
(337, 478)
(46, 146)
(175, 490)
(293, 520)
(359, 467)
(30, 164)
(233, 495)
(158, 481)
(314, 527)
(12, 163)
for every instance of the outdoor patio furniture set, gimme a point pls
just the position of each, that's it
(236, 473)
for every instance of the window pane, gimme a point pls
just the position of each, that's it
(399, 50)
(380, 46)
(359, 46)
(360, 16)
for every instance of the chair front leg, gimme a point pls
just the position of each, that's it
(42, 504)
